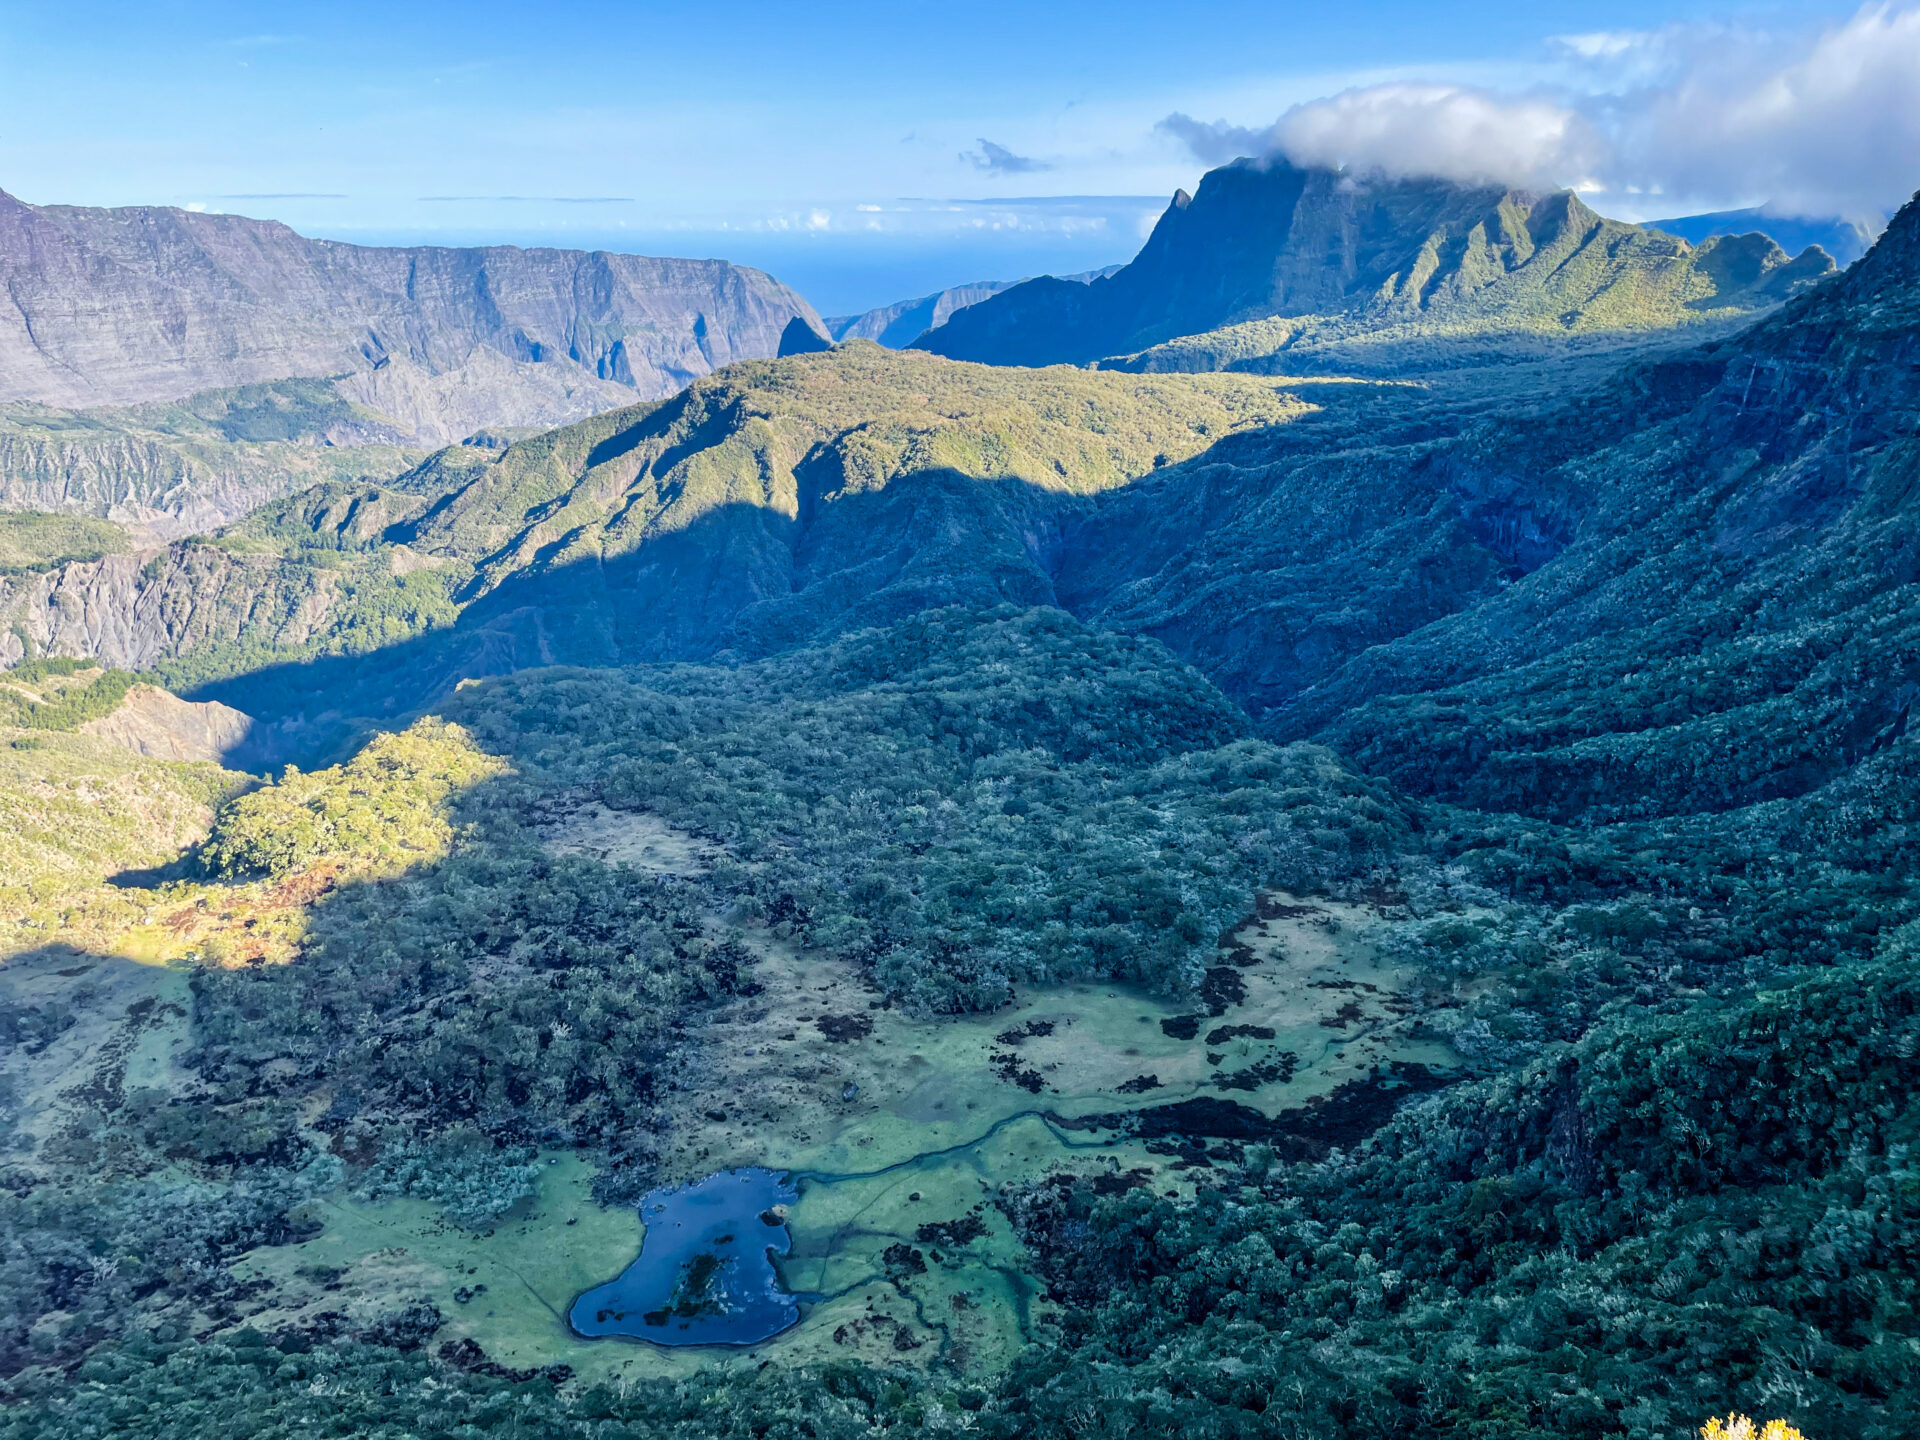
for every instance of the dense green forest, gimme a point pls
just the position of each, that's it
(1647, 1209)
(852, 703)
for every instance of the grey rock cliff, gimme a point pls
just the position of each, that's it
(160, 725)
(145, 304)
(130, 611)
(164, 479)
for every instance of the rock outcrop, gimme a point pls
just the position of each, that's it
(130, 611)
(800, 338)
(166, 472)
(161, 726)
(898, 325)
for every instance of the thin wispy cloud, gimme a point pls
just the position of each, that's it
(531, 199)
(998, 160)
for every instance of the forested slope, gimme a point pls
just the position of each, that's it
(1568, 740)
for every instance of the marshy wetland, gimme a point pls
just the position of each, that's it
(889, 1150)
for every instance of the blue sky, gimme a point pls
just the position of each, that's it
(869, 151)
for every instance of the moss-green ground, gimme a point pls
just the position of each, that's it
(128, 1030)
(930, 1132)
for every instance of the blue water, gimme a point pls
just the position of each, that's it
(705, 1274)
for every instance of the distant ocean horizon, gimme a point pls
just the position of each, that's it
(841, 273)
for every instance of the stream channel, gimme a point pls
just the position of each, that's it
(709, 1270)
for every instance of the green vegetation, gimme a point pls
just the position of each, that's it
(36, 542)
(966, 801)
(470, 1178)
(60, 694)
(1432, 275)
(568, 977)
(956, 805)
(384, 811)
(1671, 1212)
(1613, 296)
(1435, 954)
(75, 810)
(281, 410)
(545, 551)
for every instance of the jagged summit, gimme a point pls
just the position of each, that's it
(1259, 240)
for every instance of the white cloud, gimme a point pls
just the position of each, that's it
(999, 160)
(1454, 132)
(1689, 116)
(1602, 44)
(1827, 127)
(1450, 131)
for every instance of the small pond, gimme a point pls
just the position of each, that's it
(705, 1274)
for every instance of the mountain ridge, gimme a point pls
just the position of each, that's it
(1390, 905)
(898, 325)
(151, 304)
(1844, 239)
(1359, 255)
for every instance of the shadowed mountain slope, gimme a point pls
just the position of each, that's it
(1694, 586)
(772, 504)
(901, 323)
(1845, 240)
(1691, 586)
(189, 467)
(1571, 1095)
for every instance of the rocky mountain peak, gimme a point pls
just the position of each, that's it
(1264, 238)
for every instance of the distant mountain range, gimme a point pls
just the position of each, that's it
(145, 304)
(1498, 781)
(776, 502)
(1329, 552)
(1369, 272)
(898, 325)
(171, 370)
(412, 348)
(1845, 240)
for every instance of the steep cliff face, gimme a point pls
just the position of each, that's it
(161, 726)
(1360, 255)
(131, 611)
(119, 307)
(901, 323)
(1696, 586)
(898, 325)
(165, 472)
(1692, 586)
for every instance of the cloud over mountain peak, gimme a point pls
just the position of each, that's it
(1820, 124)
